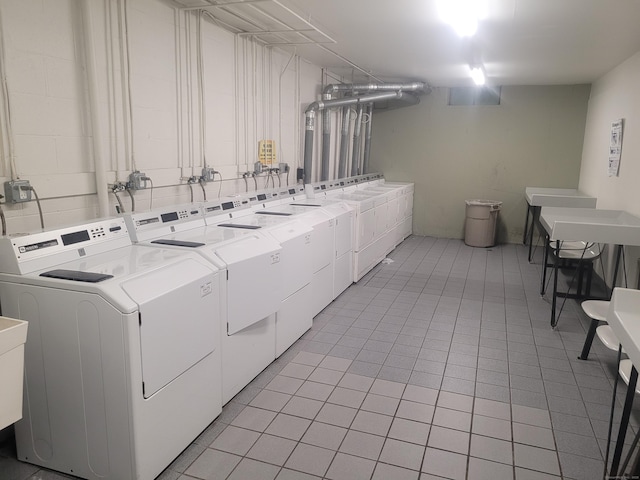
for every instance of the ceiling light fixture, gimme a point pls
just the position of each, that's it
(477, 74)
(462, 15)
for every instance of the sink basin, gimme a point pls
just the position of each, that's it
(13, 334)
(591, 225)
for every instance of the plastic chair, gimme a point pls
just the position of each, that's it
(596, 310)
(625, 372)
(578, 255)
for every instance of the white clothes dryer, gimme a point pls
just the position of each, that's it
(294, 316)
(123, 349)
(251, 287)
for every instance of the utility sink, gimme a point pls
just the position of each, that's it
(591, 225)
(624, 319)
(13, 335)
(559, 197)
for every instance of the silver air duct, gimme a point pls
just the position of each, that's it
(344, 143)
(326, 144)
(355, 157)
(376, 87)
(310, 120)
(367, 139)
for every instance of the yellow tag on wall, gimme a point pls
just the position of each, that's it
(267, 152)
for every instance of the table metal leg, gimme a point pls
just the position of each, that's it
(544, 265)
(624, 422)
(535, 214)
(556, 266)
(586, 348)
(526, 224)
(616, 268)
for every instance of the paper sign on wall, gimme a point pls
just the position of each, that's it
(615, 147)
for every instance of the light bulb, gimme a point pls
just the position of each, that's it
(477, 74)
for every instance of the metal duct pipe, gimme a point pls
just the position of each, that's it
(326, 144)
(407, 100)
(344, 143)
(357, 129)
(372, 87)
(310, 120)
(309, 126)
(367, 139)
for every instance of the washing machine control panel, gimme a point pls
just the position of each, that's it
(163, 221)
(24, 253)
(224, 208)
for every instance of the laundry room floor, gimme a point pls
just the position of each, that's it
(439, 364)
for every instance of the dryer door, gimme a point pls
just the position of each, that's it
(179, 319)
(254, 280)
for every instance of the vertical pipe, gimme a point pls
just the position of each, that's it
(367, 139)
(355, 158)
(326, 144)
(344, 143)
(96, 129)
(310, 120)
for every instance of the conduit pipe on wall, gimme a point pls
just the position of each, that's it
(310, 116)
(96, 128)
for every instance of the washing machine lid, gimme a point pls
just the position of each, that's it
(309, 215)
(258, 221)
(103, 274)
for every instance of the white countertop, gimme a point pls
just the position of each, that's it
(558, 197)
(591, 225)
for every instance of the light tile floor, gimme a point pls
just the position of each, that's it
(441, 364)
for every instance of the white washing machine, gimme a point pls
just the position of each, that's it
(344, 239)
(295, 314)
(322, 252)
(251, 273)
(122, 360)
(395, 217)
(405, 208)
(370, 245)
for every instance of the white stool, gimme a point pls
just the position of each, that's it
(597, 310)
(625, 372)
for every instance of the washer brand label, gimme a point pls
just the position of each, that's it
(37, 246)
(205, 289)
(146, 221)
(307, 238)
(275, 258)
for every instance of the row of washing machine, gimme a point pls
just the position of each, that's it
(143, 326)
(383, 210)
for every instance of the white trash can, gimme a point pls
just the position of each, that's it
(480, 222)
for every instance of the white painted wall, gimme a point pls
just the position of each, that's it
(453, 153)
(615, 96)
(249, 95)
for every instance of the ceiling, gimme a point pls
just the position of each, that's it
(519, 42)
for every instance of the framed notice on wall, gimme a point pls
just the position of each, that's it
(615, 147)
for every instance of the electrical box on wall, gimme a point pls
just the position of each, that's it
(137, 181)
(17, 191)
(208, 174)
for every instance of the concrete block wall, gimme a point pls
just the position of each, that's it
(250, 93)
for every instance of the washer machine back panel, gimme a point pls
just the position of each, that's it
(25, 253)
(148, 225)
